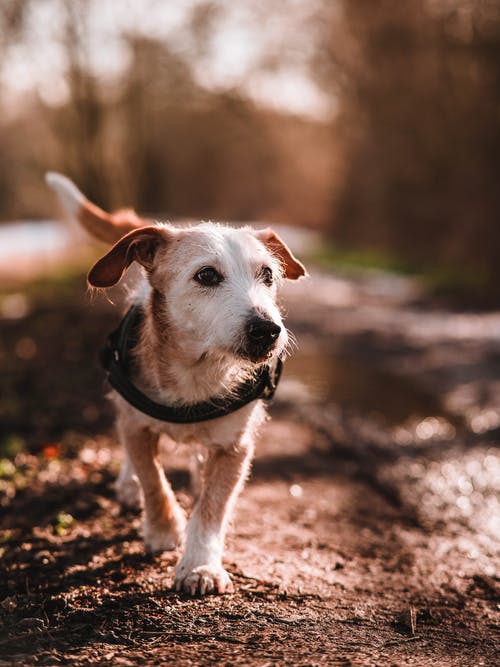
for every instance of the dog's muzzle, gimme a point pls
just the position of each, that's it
(260, 337)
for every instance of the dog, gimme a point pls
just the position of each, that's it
(208, 325)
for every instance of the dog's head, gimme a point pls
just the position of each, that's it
(216, 286)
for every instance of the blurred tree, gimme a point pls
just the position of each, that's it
(12, 21)
(150, 134)
(82, 126)
(418, 86)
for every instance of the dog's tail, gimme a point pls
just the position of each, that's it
(107, 227)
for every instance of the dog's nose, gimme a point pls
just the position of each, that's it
(262, 332)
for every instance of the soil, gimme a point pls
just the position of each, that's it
(366, 535)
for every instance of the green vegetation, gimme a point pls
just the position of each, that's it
(63, 522)
(440, 279)
(10, 445)
(356, 260)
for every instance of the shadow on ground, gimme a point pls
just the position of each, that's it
(360, 539)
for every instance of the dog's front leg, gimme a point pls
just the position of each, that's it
(200, 569)
(128, 490)
(164, 520)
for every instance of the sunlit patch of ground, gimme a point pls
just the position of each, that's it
(325, 567)
(366, 535)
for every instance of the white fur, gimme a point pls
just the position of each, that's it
(210, 323)
(69, 194)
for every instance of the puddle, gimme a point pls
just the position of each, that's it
(21, 239)
(359, 387)
(31, 249)
(461, 489)
(449, 487)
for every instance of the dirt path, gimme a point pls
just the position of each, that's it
(355, 542)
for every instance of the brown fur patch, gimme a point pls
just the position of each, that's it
(293, 268)
(109, 227)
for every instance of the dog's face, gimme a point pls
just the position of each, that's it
(217, 286)
(220, 292)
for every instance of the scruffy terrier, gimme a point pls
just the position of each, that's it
(193, 360)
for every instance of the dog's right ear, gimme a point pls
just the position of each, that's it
(140, 245)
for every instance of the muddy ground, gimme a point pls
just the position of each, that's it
(368, 532)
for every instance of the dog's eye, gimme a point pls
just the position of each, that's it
(267, 275)
(208, 276)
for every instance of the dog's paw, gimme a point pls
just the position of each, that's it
(164, 537)
(128, 493)
(203, 580)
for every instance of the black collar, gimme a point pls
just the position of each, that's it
(115, 358)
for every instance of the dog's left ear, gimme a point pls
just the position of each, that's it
(139, 245)
(293, 269)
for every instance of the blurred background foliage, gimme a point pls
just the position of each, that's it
(376, 122)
